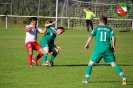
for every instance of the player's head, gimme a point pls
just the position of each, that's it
(50, 21)
(60, 30)
(47, 22)
(33, 20)
(89, 8)
(103, 20)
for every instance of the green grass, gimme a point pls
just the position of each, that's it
(69, 66)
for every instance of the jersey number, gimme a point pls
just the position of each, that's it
(103, 36)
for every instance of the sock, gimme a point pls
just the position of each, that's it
(52, 57)
(119, 71)
(88, 72)
(30, 59)
(45, 57)
(38, 56)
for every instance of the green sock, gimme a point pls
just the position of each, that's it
(45, 57)
(88, 72)
(119, 71)
(52, 57)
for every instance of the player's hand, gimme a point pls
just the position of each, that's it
(47, 22)
(113, 48)
(59, 48)
(54, 22)
(92, 18)
(86, 46)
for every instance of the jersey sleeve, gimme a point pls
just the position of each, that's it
(93, 14)
(27, 27)
(112, 34)
(39, 30)
(85, 10)
(93, 33)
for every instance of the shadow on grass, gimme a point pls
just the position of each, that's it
(128, 82)
(94, 65)
(110, 65)
(76, 65)
(70, 65)
(104, 81)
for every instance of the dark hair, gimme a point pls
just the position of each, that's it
(50, 21)
(103, 19)
(33, 18)
(89, 8)
(62, 28)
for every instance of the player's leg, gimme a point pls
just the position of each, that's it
(30, 52)
(46, 50)
(40, 54)
(88, 71)
(38, 48)
(119, 71)
(91, 24)
(95, 58)
(110, 58)
(87, 25)
(55, 52)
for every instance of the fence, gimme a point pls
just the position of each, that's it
(70, 13)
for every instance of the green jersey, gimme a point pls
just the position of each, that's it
(50, 36)
(103, 35)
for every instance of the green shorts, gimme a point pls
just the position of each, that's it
(108, 57)
(51, 46)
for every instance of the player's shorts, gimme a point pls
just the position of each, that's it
(33, 45)
(51, 46)
(108, 57)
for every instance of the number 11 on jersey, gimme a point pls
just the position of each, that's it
(103, 36)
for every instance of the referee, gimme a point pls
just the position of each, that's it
(89, 17)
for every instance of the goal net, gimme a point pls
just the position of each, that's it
(70, 12)
(73, 9)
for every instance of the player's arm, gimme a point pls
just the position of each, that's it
(93, 33)
(44, 31)
(49, 24)
(113, 43)
(93, 15)
(57, 47)
(88, 41)
(46, 25)
(85, 10)
(29, 28)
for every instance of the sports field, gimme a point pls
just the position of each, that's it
(69, 66)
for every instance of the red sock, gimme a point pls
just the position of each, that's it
(30, 59)
(38, 56)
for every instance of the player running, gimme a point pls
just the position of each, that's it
(103, 49)
(47, 43)
(30, 40)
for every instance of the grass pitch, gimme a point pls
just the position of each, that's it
(69, 66)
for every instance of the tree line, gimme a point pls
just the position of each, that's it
(29, 7)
